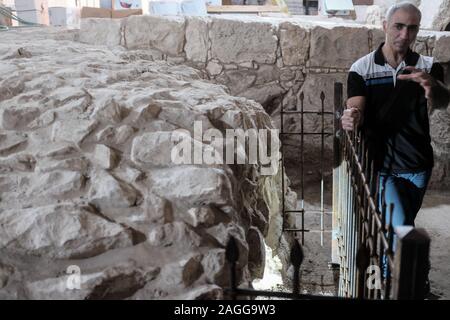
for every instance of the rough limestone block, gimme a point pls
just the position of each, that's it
(263, 93)
(72, 130)
(440, 132)
(222, 232)
(10, 142)
(294, 43)
(107, 192)
(337, 47)
(173, 233)
(442, 49)
(163, 33)
(101, 31)
(60, 231)
(214, 68)
(196, 47)
(153, 149)
(17, 162)
(113, 135)
(214, 264)
(316, 83)
(420, 46)
(104, 156)
(192, 186)
(378, 37)
(240, 80)
(257, 255)
(16, 117)
(57, 184)
(108, 110)
(234, 41)
(182, 273)
(74, 164)
(113, 282)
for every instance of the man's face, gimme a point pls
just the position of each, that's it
(401, 31)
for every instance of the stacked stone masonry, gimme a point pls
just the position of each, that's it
(272, 60)
(91, 204)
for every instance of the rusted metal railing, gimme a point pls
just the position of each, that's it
(363, 244)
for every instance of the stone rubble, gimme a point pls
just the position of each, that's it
(87, 179)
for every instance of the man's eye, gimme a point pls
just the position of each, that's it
(399, 27)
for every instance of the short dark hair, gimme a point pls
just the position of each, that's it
(405, 5)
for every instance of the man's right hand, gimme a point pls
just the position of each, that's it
(351, 119)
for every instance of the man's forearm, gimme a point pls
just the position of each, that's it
(440, 96)
(358, 102)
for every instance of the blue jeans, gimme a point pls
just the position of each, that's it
(406, 192)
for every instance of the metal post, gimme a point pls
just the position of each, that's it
(282, 164)
(337, 165)
(411, 259)
(296, 260)
(232, 256)
(302, 165)
(322, 149)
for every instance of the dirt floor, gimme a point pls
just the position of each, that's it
(434, 217)
(315, 275)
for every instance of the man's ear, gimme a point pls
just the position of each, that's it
(384, 25)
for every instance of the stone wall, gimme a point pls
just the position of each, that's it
(271, 60)
(87, 184)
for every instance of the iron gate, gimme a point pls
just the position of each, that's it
(361, 240)
(322, 134)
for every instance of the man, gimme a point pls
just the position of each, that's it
(388, 92)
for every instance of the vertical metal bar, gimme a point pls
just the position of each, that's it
(341, 211)
(344, 218)
(389, 253)
(296, 260)
(337, 177)
(282, 165)
(385, 230)
(344, 210)
(302, 165)
(342, 188)
(362, 232)
(352, 212)
(360, 200)
(349, 218)
(322, 154)
(232, 256)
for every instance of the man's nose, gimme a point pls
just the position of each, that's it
(404, 33)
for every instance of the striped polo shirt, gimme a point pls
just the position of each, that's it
(396, 120)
